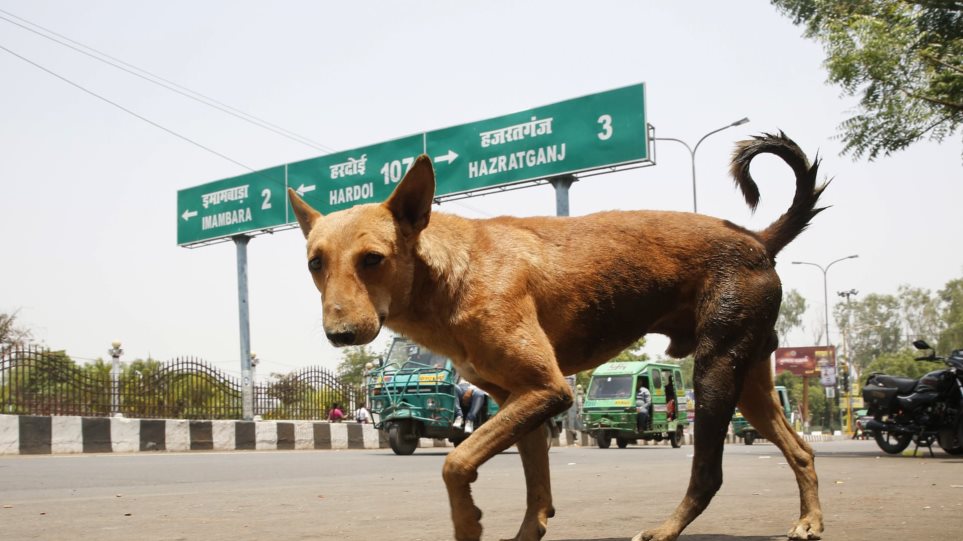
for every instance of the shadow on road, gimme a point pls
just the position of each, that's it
(698, 537)
(937, 455)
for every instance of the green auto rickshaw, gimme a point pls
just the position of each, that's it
(413, 394)
(609, 410)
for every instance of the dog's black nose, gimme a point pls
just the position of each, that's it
(341, 338)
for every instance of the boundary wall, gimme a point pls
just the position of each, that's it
(44, 435)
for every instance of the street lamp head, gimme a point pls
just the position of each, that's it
(740, 122)
(854, 256)
(115, 344)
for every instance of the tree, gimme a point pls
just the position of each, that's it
(874, 327)
(12, 334)
(920, 311)
(794, 387)
(632, 353)
(351, 367)
(903, 58)
(900, 364)
(790, 315)
(951, 298)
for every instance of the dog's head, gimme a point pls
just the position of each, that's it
(362, 259)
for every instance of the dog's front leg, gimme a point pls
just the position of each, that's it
(533, 449)
(520, 418)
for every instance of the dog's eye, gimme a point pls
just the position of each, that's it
(315, 264)
(371, 259)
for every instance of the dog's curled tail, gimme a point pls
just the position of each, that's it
(803, 208)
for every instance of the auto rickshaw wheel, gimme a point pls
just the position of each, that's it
(396, 439)
(749, 437)
(604, 440)
(622, 442)
(677, 437)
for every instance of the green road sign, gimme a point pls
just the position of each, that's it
(250, 202)
(363, 175)
(601, 130)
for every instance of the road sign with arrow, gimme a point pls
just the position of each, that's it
(603, 130)
(222, 208)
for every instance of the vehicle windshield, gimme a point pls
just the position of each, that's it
(607, 387)
(402, 352)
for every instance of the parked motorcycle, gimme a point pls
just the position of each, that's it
(923, 411)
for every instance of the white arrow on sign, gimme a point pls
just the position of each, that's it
(188, 214)
(302, 189)
(450, 157)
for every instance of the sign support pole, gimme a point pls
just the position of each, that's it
(562, 184)
(243, 311)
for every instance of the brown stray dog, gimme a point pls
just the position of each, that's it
(518, 303)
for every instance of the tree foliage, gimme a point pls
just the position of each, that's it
(817, 404)
(790, 314)
(951, 299)
(351, 368)
(11, 333)
(873, 326)
(902, 58)
(632, 353)
(921, 313)
(900, 364)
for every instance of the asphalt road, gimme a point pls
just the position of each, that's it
(601, 495)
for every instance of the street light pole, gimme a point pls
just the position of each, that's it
(692, 152)
(850, 374)
(825, 270)
(115, 352)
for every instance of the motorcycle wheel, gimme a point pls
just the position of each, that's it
(890, 442)
(949, 441)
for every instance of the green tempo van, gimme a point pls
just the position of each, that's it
(609, 409)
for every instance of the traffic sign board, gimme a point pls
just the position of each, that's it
(607, 129)
(231, 206)
(601, 130)
(363, 175)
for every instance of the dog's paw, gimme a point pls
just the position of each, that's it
(657, 534)
(805, 530)
(471, 529)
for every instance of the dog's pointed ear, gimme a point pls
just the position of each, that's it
(411, 201)
(306, 215)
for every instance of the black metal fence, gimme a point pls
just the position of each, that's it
(36, 381)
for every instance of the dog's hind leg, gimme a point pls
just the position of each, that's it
(716, 390)
(761, 407)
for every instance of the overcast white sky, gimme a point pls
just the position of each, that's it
(88, 204)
